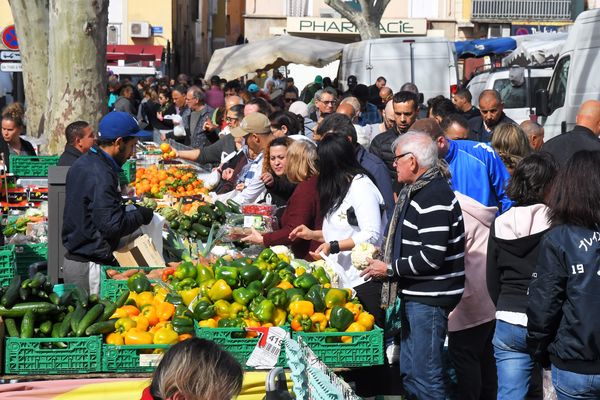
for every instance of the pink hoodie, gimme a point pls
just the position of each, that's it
(475, 306)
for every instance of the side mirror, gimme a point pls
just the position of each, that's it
(541, 103)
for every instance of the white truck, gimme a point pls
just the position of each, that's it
(575, 78)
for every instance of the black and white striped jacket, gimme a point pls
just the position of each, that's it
(429, 265)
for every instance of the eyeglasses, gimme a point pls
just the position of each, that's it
(287, 100)
(396, 158)
(230, 119)
(331, 102)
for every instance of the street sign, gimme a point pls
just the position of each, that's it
(11, 67)
(157, 30)
(9, 38)
(7, 55)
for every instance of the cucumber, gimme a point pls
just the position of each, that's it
(201, 230)
(90, 317)
(66, 298)
(220, 208)
(24, 293)
(25, 283)
(11, 327)
(81, 296)
(27, 325)
(109, 309)
(122, 298)
(64, 326)
(101, 327)
(78, 314)
(38, 280)
(45, 327)
(12, 293)
(39, 293)
(37, 307)
(93, 299)
(54, 298)
(55, 329)
(233, 206)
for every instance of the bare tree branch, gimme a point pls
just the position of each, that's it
(366, 20)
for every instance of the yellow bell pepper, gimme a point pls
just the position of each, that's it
(119, 313)
(367, 320)
(300, 271)
(267, 325)
(144, 298)
(301, 307)
(132, 299)
(158, 326)
(137, 336)
(285, 285)
(354, 327)
(319, 322)
(165, 335)
(160, 294)
(149, 312)
(355, 308)
(123, 325)
(189, 295)
(279, 316)
(251, 323)
(165, 311)
(114, 338)
(283, 257)
(208, 323)
(220, 290)
(141, 322)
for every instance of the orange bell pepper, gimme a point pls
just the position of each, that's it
(285, 285)
(131, 310)
(137, 336)
(114, 338)
(165, 311)
(141, 322)
(150, 313)
(355, 308)
(120, 313)
(185, 336)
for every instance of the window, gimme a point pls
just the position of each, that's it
(516, 97)
(558, 84)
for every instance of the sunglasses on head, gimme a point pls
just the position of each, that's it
(287, 100)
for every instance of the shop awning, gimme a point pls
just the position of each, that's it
(133, 53)
(484, 47)
(539, 49)
(235, 61)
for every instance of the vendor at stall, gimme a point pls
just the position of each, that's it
(80, 138)
(95, 218)
(12, 129)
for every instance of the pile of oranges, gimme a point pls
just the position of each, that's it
(167, 152)
(177, 181)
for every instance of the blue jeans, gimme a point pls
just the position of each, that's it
(513, 363)
(423, 333)
(571, 385)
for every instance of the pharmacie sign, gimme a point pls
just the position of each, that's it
(388, 26)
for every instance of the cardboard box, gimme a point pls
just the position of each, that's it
(139, 253)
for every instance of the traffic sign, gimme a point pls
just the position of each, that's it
(8, 55)
(11, 67)
(9, 38)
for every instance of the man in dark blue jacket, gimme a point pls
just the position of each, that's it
(95, 218)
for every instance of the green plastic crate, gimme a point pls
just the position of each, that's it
(111, 289)
(39, 356)
(366, 348)
(128, 174)
(240, 348)
(34, 166)
(27, 254)
(132, 358)
(8, 264)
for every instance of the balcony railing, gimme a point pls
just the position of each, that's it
(507, 10)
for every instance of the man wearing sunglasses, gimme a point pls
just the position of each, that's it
(325, 101)
(290, 95)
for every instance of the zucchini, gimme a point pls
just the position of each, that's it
(37, 307)
(27, 325)
(38, 280)
(101, 327)
(201, 230)
(233, 206)
(90, 317)
(78, 314)
(220, 208)
(40, 293)
(11, 327)
(12, 293)
(122, 298)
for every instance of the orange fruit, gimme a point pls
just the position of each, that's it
(172, 154)
(165, 147)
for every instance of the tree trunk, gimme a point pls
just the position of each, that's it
(77, 65)
(32, 31)
(367, 29)
(366, 19)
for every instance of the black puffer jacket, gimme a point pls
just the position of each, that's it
(564, 297)
(381, 146)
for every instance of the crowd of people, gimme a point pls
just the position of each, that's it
(488, 234)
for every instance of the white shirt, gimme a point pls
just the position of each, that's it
(367, 202)
(254, 187)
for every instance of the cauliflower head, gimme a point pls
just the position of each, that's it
(360, 253)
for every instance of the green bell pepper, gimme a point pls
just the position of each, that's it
(295, 294)
(315, 296)
(221, 262)
(278, 296)
(335, 297)
(222, 308)
(305, 281)
(244, 296)
(237, 310)
(250, 273)
(204, 273)
(253, 306)
(182, 325)
(262, 265)
(264, 311)
(281, 265)
(185, 270)
(321, 275)
(301, 323)
(234, 323)
(203, 309)
(268, 256)
(228, 274)
(185, 284)
(270, 279)
(287, 274)
(139, 283)
(174, 298)
(340, 318)
(182, 311)
(332, 339)
(256, 287)
(206, 286)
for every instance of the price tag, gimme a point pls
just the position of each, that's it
(150, 360)
(253, 221)
(266, 352)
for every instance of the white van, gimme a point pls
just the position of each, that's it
(518, 108)
(430, 63)
(575, 78)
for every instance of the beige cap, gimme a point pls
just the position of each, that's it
(252, 123)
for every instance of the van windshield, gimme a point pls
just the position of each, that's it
(516, 97)
(558, 86)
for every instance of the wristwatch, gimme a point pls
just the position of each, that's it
(390, 271)
(334, 247)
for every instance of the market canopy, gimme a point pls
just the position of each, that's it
(540, 49)
(484, 47)
(235, 61)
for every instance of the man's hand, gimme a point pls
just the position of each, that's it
(301, 232)
(267, 179)
(147, 214)
(377, 269)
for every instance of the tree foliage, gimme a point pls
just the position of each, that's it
(366, 19)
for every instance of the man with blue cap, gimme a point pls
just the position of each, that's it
(95, 218)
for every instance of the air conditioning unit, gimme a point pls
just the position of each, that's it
(139, 30)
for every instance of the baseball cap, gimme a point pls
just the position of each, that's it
(252, 123)
(119, 124)
(319, 79)
(352, 80)
(253, 88)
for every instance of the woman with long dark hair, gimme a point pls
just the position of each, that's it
(562, 328)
